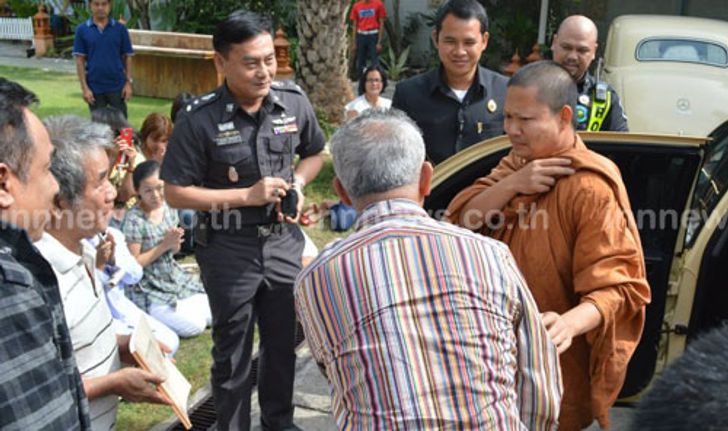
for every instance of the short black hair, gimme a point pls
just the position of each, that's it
(143, 171)
(692, 393)
(463, 9)
(15, 143)
(239, 27)
(363, 78)
(180, 100)
(112, 117)
(556, 87)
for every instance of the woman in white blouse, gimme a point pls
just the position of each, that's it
(371, 85)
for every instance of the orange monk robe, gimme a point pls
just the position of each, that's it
(578, 243)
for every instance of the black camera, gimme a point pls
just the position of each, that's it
(289, 203)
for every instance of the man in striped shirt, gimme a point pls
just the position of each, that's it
(420, 324)
(83, 208)
(40, 388)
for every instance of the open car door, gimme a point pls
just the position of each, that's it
(698, 298)
(659, 172)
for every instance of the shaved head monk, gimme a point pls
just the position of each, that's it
(563, 211)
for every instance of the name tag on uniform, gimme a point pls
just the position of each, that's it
(228, 138)
(225, 127)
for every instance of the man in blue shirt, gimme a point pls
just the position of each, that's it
(103, 59)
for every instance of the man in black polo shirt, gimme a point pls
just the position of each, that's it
(460, 103)
(40, 387)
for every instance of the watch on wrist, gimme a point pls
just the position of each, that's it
(130, 80)
(298, 183)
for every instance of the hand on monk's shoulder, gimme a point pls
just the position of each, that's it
(539, 176)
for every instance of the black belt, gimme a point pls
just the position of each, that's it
(256, 230)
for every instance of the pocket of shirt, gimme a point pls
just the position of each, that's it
(234, 164)
(281, 154)
(232, 154)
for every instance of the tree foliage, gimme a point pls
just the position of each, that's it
(201, 16)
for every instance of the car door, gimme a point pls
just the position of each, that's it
(659, 173)
(698, 299)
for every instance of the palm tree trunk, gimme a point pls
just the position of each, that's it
(322, 55)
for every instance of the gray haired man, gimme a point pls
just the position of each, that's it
(418, 323)
(83, 207)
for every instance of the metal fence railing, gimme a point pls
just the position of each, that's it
(16, 29)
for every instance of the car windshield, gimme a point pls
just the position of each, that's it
(682, 50)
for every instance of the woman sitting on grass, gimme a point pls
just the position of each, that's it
(171, 295)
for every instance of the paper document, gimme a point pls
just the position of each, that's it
(146, 351)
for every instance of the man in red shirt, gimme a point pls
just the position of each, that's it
(368, 18)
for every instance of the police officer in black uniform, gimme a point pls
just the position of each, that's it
(460, 103)
(231, 157)
(598, 107)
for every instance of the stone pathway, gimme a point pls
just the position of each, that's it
(14, 54)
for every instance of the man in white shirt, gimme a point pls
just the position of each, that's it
(83, 207)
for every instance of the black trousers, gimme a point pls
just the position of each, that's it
(109, 99)
(366, 48)
(249, 280)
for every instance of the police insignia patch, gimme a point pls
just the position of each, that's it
(492, 106)
(582, 113)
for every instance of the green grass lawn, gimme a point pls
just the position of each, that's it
(194, 361)
(60, 94)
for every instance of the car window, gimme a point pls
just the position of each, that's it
(712, 184)
(682, 50)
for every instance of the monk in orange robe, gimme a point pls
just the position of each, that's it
(564, 212)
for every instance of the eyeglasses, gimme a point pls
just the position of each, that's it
(373, 81)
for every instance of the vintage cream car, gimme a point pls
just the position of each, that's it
(677, 187)
(671, 72)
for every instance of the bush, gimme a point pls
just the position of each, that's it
(23, 8)
(201, 16)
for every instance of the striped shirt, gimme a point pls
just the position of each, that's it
(40, 388)
(423, 325)
(89, 320)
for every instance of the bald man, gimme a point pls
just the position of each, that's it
(598, 107)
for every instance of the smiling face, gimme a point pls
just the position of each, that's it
(460, 45)
(534, 130)
(94, 207)
(249, 68)
(373, 83)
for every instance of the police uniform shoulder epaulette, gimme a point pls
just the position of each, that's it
(287, 85)
(202, 101)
